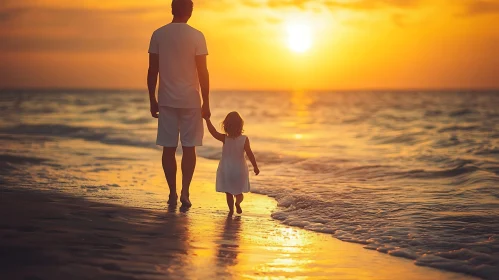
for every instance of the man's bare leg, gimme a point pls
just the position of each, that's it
(170, 169)
(188, 166)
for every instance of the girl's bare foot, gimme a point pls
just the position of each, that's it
(230, 203)
(239, 199)
(238, 208)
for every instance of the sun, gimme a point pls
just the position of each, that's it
(299, 36)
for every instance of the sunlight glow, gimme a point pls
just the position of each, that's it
(294, 44)
(299, 36)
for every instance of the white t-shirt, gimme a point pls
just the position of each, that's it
(177, 45)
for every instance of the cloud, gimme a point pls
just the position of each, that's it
(481, 7)
(93, 26)
(8, 14)
(399, 12)
(373, 4)
(71, 29)
(333, 4)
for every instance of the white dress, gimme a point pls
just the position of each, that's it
(232, 172)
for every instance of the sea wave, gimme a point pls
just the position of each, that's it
(356, 204)
(364, 218)
(106, 135)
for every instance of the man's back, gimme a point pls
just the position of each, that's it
(177, 53)
(177, 45)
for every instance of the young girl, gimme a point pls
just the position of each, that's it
(232, 172)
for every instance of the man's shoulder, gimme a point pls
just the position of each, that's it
(175, 29)
(195, 31)
(160, 29)
(184, 27)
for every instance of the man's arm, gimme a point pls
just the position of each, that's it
(152, 80)
(204, 82)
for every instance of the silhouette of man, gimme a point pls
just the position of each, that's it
(177, 53)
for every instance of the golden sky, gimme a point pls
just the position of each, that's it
(350, 44)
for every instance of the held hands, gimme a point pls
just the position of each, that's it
(205, 111)
(154, 109)
(256, 170)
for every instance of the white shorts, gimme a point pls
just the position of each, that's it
(186, 122)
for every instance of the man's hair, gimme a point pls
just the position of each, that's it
(182, 8)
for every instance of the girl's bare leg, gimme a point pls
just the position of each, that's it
(230, 203)
(239, 199)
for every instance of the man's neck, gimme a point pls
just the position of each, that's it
(180, 19)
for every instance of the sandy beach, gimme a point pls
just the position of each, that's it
(48, 235)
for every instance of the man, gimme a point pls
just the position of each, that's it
(177, 53)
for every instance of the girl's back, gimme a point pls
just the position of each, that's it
(232, 172)
(233, 148)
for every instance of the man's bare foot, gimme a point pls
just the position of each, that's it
(231, 213)
(185, 202)
(172, 208)
(238, 208)
(172, 200)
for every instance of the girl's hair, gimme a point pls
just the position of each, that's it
(233, 124)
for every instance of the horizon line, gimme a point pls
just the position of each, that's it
(394, 89)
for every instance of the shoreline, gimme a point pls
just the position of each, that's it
(51, 235)
(128, 183)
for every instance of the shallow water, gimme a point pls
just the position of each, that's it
(411, 174)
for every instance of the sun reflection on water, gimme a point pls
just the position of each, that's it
(301, 103)
(301, 116)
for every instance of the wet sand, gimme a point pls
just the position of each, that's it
(48, 235)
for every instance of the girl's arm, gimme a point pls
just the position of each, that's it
(217, 135)
(251, 156)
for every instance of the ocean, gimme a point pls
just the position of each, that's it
(414, 174)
